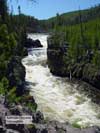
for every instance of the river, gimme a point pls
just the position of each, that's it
(57, 98)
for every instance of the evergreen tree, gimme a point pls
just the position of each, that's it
(3, 10)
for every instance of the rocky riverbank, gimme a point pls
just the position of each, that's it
(39, 124)
(58, 64)
(18, 100)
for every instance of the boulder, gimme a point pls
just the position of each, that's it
(32, 43)
(38, 117)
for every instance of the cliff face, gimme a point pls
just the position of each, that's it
(56, 56)
(58, 64)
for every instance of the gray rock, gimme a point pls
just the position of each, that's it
(32, 43)
(38, 117)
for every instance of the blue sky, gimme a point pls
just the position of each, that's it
(44, 9)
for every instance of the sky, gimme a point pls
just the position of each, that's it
(44, 9)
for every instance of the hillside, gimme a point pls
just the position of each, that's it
(71, 18)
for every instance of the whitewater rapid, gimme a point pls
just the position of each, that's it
(57, 98)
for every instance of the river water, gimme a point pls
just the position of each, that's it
(57, 98)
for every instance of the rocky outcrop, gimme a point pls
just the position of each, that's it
(32, 43)
(58, 64)
(56, 60)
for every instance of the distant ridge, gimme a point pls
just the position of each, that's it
(71, 18)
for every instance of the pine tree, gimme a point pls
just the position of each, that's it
(3, 10)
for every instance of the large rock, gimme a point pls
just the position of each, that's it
(32, 43)
(55, 54)
(38, 117)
